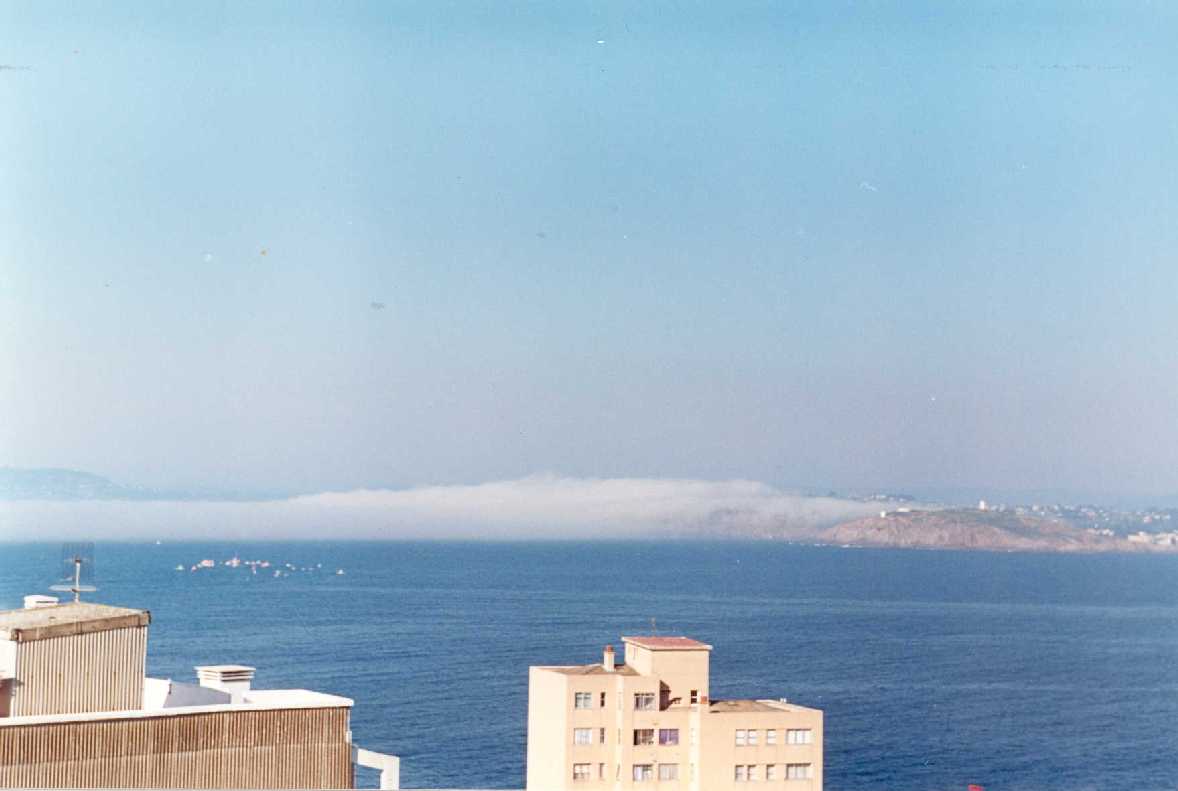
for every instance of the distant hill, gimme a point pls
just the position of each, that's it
(974, 529)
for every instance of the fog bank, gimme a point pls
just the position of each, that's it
(533, 507)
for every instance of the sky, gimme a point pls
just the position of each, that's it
(309, 247)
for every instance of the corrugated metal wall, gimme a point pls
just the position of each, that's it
(276, 748)
(98, 671)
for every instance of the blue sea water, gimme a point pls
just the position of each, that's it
(935, 669)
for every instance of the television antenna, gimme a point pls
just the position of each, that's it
(77, 570)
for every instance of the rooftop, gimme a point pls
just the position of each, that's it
(40, 623)
(656, 643)
(254, 700)
(594, 670)
(744, 706)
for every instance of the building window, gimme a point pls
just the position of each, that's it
(695, 696)
(582, 736)
(770, 736)
(752, 738)
(601, 771)
(745, 773)
(643, 772)
(742, 737)
(770, 771)
(643, 736)
(668, 771)
(580, 771)
(603, 700)
(601, 735)
(668, 735)
(644, 701)
(583, 700)
(799, 772)
(799, 736)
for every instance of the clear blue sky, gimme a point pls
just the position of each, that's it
(881, 244)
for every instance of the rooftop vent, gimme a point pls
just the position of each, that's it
(234, 679)
(608, 659)
(36, 600)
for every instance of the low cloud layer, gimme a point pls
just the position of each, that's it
(535, 507)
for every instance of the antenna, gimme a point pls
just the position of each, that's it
(77, 569)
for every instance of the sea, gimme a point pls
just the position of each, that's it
(1028, 672)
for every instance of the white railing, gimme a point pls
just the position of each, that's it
(389, 766)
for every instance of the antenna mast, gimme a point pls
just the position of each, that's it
(78, 560)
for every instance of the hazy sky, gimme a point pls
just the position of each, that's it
(331, 246)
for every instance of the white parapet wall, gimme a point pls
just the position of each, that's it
(389, 766)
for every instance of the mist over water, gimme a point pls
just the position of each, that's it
(935, 669)
(542, 506)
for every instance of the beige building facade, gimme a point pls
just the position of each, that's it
(649, 722)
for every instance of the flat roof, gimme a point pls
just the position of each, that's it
(658, 643)
(58, 620)
(595, 669)
(254, 700)
(744, 706)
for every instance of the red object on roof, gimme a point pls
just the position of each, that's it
(975, 787)
(668, 643)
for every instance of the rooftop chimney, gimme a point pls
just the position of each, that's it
(36, 600)
(608, 661)
(234, 679)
